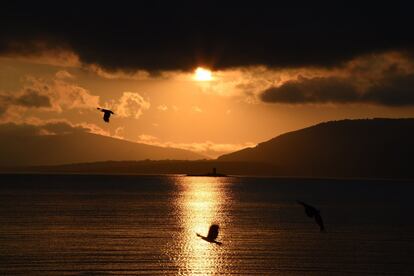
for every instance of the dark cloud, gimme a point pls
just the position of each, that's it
(395, 91)
(53, 95)
(312, 90)
(29, 98)
(390, 91)
(182, 36)
(32, 98)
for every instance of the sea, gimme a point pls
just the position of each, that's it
(74, 224)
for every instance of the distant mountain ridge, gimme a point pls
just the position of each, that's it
(79, 148)
(347, 148)
(364, 148)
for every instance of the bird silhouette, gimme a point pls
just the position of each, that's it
(312, 212)
(212, 234)
(107, 113)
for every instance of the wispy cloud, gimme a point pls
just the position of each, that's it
(196, 109)
(35, 127)
(62, 74)
(118, 74)
(162, 107)
(207, 148)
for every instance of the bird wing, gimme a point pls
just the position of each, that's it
(105, 110)
(319, 221)
(309, 210)
(213, 232)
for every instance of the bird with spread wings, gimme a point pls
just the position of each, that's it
(312, 212)
(107, 114)
(212, 234)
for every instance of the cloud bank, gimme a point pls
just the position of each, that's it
(174, 36)
(386, 80)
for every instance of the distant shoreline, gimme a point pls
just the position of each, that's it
(198, 176)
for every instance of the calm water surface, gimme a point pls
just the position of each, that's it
(118, 225)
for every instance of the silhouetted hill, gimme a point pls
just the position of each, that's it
(348, 148)
(80, 147)
(377, 148)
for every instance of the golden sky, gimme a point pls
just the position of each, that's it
(212, 112)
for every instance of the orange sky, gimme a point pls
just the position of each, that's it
(175, 109)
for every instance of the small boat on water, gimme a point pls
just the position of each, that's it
(214, 173)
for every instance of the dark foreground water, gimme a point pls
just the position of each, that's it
(117, 225)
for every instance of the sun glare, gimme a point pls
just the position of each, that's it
(202, 74)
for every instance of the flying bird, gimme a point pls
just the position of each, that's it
(212, 234)
(312, 212)
(107, 113)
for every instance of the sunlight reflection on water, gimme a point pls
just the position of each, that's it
(201, 204)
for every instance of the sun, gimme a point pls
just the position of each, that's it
(202, 74)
